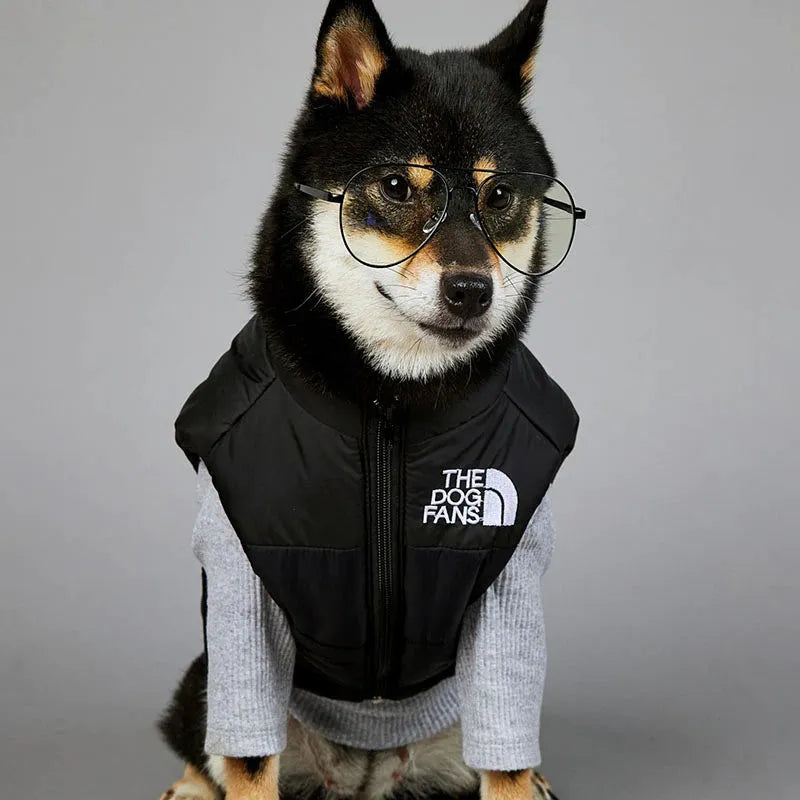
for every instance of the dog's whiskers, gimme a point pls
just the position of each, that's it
(302, 222)
(402, 286)
(297, 308)
(394, 270)
(417, 343)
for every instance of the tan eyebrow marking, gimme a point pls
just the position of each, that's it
(484, 162)
(420, 178)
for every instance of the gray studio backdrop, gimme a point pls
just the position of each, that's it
(138, 145)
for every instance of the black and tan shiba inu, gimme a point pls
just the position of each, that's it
(400, 257)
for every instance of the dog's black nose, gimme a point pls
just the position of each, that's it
(467, 294)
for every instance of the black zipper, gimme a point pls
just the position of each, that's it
(385, 547)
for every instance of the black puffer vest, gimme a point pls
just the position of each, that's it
(374, 530)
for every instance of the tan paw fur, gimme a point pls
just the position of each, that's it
(192, 786)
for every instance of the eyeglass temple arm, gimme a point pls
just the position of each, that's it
(580, 213)
(319, 194)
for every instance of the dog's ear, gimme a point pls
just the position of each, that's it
(512, 53)
(353, 50)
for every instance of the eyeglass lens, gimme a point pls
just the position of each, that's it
(529, 219)
(388, 212)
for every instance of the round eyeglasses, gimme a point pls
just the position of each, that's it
(389, 212)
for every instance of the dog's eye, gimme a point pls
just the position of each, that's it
(396, 188)
(500, 197)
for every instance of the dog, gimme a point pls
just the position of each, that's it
(423, 329)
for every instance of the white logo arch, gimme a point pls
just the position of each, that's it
(500, 500)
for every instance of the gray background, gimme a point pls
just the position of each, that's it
(138, 143)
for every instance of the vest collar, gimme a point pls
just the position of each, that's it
(419, 423)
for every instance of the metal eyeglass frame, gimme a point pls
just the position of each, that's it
(330, 197)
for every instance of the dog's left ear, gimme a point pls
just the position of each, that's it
(353, 50)
(512, 53)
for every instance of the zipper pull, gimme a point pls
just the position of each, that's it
(391, 419)
(388, 414)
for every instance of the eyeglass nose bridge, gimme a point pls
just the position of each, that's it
(437, 220)
(451, 189)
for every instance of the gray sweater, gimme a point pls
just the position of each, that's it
(496, 693)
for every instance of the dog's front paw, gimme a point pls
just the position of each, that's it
(180, 792)
(192, 786)
(187, 791)
(542, 790)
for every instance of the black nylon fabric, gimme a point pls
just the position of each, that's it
(295, 474)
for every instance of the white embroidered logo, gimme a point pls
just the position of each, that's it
(473, 496)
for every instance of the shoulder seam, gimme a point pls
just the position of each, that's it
(235, 422)
(528, 417)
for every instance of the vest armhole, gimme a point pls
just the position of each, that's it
(542, 402)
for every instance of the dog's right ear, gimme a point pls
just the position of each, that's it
(353, 50)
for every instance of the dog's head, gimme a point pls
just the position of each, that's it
(456, 115)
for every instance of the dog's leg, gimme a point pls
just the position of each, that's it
(251, 779)
(542, 785)
(192, 786)
(520, 785)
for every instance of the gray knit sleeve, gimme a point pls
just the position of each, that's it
(501, 660)
(250, 648)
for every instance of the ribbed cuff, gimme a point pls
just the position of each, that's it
(501, 756)
(255, 744)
